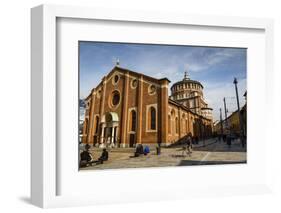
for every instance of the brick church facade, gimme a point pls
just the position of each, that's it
(128, 108)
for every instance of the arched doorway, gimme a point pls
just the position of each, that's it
(109, 129)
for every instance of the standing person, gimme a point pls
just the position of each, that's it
(189, 143)
(219, 137)
(228, 141)
(224, 137)
(197, 139)
(158, 148)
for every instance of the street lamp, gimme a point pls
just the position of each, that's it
(239, 113)
(221, 125)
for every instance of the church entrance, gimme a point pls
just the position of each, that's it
(132, 140)
(109, 130)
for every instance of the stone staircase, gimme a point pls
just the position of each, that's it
(179, 142)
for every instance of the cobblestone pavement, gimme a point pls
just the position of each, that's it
(214, 152)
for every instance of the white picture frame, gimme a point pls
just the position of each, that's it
(44, 153)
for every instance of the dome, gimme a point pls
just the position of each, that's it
(188, 81)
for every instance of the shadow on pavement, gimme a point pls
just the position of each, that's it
(194, 162)
(223, 148)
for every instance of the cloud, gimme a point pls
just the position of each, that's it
(213, 67)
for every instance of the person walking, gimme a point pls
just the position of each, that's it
(189, 143)
(228, 141)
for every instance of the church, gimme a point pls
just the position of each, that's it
(128, 108)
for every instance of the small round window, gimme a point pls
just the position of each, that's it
(152, 89)
(134, 83)
(115, 98)
(99, 93)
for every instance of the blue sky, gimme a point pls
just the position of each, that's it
(214, 67)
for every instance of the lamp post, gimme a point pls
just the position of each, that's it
(226, 120)
(239, 113)
(221, 125)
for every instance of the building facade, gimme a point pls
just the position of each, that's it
(127, 108)
(231, 125)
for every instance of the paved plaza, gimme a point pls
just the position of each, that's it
(209, 152)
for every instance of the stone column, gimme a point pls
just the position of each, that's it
(139, 112)
(85, 128)
(102, 136)
(112, 135)
(124, 110)
(117, 136)
(91, 118)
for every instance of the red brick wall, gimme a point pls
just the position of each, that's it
(133, 99)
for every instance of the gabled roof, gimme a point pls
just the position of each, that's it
(124, 70)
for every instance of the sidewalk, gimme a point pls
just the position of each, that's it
(214, 152)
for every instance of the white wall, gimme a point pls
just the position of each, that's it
(15, 98)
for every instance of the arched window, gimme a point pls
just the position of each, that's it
(133, 119)
(177, 125)
(183, 122)
(152, 115)
(169, 124)
(97, 125)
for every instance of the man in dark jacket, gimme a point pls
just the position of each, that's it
(85, 157)
(104, 156)
(139, 150)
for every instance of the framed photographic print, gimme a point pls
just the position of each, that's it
(148, 105)
(160, 118)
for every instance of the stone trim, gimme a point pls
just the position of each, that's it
(129, 120)
(111, 106)
(147, 116)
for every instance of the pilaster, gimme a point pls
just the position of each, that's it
(139, 117)
(124, 109)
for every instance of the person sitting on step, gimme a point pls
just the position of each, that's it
(139, 150)
(86, 157)
(103, 157)
(146, 150)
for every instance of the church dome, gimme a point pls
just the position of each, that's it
(186, 88)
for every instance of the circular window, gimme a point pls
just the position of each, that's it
(99, 94)
(115, 98)
(134, 83)
(152, 89)
(115, 79)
